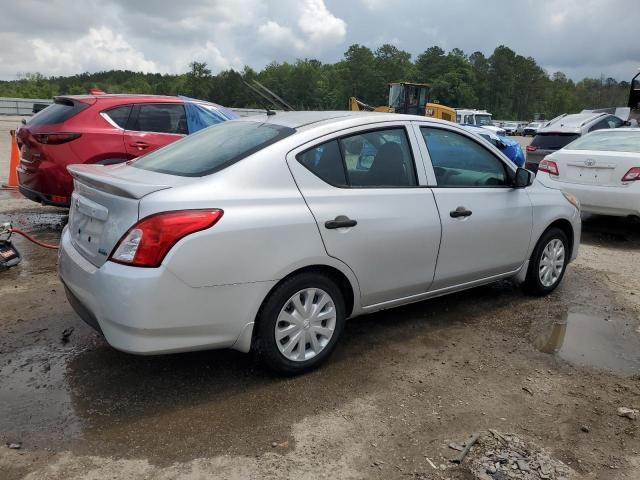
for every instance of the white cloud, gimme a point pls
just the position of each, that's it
(55, 37)
(320, 25)
(272, 34)
(99, 49)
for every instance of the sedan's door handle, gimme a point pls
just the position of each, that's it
(460, 212)
(341, 221)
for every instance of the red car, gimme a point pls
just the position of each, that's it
(102, 129)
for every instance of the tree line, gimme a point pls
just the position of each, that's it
(508, 85)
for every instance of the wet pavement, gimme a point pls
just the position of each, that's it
(401, 384)
(596, 341)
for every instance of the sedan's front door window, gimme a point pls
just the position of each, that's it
(458, 161)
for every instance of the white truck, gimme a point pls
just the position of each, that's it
(479, 118)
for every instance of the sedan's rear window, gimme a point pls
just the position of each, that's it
(609, 140)
(61, 111)
(213, 148)
(553, 141)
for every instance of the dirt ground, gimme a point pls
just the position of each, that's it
(401, 387)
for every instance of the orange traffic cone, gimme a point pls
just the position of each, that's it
(13, 163)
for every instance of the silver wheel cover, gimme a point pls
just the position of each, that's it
(305, 324)
(551, 263)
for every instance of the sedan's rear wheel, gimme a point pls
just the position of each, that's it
(548, 262)
(299, 323)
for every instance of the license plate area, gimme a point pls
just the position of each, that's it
(86, 224)
(590, 175)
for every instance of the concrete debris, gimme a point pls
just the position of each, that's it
(630, 413)
(497, 456)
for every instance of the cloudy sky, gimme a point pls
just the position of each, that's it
(63, 37)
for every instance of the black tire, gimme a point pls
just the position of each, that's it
(265, 346)
(532, 284)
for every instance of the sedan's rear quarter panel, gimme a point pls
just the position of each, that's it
(267, 231)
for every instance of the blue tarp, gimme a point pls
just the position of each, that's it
(511, 149)
(202, 115)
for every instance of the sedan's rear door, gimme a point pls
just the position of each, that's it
(373, 212)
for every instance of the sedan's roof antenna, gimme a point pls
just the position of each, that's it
(261, 99)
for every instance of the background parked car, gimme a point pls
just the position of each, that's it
(267, 233)
(511, 128)
(564, 130)
(531, 129)
(102, 129)
(509, 147)
(602, 169)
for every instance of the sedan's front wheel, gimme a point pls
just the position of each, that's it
(299, 324)
(548, 263)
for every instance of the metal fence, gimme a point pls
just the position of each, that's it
(20, 106)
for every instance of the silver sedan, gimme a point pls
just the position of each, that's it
(267, 233)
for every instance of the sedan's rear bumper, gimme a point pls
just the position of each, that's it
(150, 310)
(615, 201)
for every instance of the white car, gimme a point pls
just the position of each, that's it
(267, 233)
(602, 169)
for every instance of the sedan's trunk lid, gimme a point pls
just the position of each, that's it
(105, 204)
(590, 167)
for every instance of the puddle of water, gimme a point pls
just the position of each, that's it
(593, 341)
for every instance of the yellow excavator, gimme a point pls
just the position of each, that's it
(409, 98)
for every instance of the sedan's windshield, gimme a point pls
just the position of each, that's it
(609, 140)
(213, 148)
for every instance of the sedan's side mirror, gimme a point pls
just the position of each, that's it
(523, 178)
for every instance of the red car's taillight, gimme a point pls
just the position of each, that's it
(148, 241)
(55, 138)
(631, 175)
(531, 148)
(549, 166)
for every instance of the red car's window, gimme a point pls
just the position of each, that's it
(119, 115)
(161, 118)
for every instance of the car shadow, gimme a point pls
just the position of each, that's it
(220, 402)
(613, 232)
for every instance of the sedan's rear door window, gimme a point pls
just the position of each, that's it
(374, 159)
(326, 162)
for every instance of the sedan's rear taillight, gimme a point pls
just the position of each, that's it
(148, 241)
(531, 148)
(55, 138)
(631, 175)
(549, 166)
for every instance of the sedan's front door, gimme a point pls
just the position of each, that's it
(363, 189)
(486, 224)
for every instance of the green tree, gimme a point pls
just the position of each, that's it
(198, 80)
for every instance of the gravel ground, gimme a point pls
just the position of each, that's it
(402, 394)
